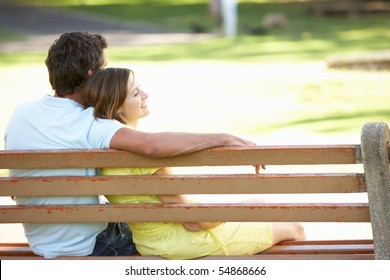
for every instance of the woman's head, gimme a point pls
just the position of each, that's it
(115, 94)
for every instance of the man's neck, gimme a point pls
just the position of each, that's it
(75, 97)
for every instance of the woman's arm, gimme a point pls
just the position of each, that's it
(181, 199)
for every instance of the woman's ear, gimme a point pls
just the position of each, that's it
(89, 73)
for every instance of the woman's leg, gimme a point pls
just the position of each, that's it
(283, 231)
(287, 231)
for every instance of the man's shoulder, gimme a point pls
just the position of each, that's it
(30, 105)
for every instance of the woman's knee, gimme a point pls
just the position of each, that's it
(299, 231)
(287, 231)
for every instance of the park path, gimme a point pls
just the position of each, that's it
(42, 26)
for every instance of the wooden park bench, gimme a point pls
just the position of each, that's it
(372, 154)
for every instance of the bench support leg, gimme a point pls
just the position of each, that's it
(374, 140)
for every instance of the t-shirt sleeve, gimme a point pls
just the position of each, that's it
(102, 132)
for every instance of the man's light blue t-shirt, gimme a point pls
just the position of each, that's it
(58, 123)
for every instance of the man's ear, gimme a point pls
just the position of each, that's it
(89, 73)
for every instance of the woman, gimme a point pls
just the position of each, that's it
(115, 94)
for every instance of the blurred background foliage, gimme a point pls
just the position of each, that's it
(333, 101)
(304, 34)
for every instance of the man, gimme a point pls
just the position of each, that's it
(60, 122)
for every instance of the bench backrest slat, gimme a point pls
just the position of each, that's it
(184, 184)
(303, 212)
(272, 155)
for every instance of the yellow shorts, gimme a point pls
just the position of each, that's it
(232, 238)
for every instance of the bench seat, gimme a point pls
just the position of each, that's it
(314, 249)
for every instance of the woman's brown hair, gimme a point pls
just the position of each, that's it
(106, 91)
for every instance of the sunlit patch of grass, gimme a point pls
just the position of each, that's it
(8, 59)
(333, 102)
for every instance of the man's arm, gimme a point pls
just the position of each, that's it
(167, 144)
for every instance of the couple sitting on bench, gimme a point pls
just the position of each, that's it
(95, 107)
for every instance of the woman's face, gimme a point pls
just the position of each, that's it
(135, 106)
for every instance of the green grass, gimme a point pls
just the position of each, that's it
(333, 103)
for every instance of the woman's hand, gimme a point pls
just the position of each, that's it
(182, 199)
(194, 227)
(198, 226)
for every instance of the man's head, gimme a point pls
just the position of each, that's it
(72, 58)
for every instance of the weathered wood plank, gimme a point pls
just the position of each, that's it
(276, 212)
(221, 258)
(323, 249)
(183, 184)
(289, 155)
(333, 248)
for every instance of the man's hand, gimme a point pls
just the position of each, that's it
(258, 167)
